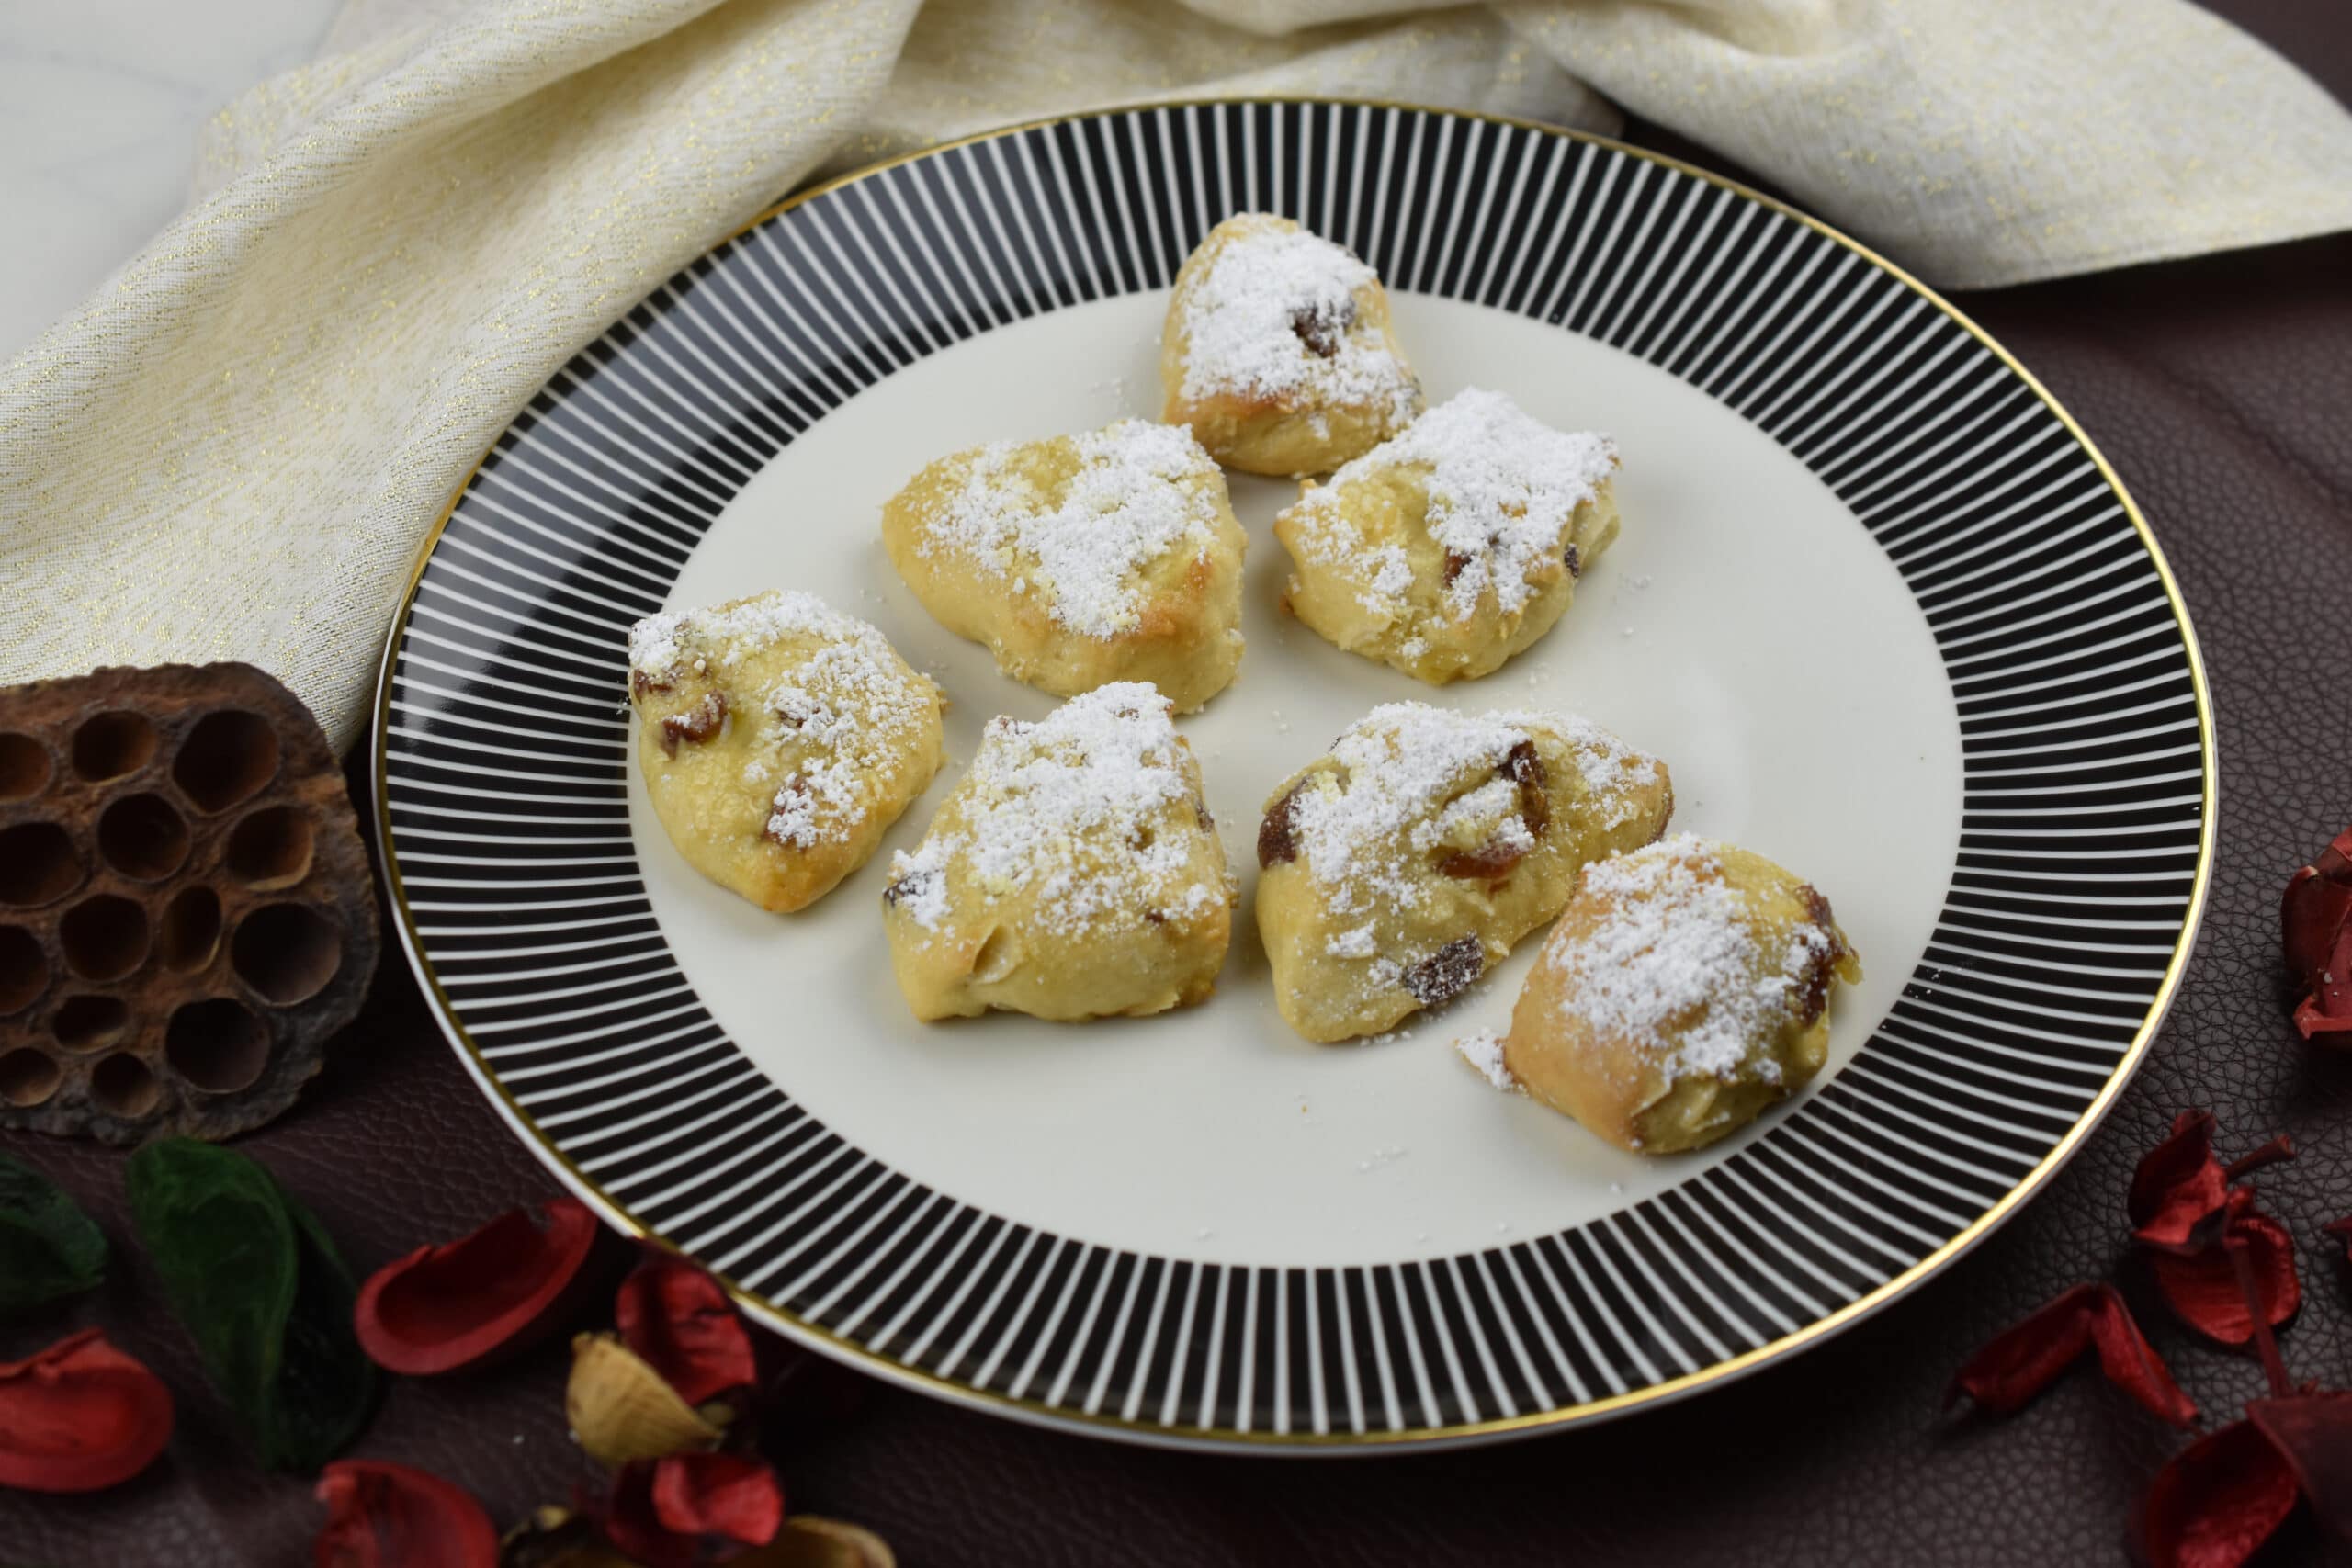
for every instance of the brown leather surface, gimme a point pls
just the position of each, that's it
(2222, 389)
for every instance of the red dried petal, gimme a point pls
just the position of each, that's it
(391, 1515)
(2315, 931)
(2328, 1009)
(2312, 1023)
(2203, 1286)
(2316, 910)
(2313, 1433)
(2342, 1231)
(2178, 1189)
(2217, 1501)
(2027, 1357)
(491, 1294)
(693, 1508)
(79, 1417)
(678, 1318)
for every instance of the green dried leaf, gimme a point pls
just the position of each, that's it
(260, 1286)
(48, 1248)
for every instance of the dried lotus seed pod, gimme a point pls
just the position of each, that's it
(186, 913)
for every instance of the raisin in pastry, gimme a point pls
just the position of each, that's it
(1074, 872)
(1397, 869)
(778, 739)
(1685, 988)
(1278, 352)
(1445, 550)
(1082, 559)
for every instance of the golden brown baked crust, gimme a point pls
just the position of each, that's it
(1397, 869)
(1074, 872)
(1446, 550)
(1685, 988)
(1278, 350)
(778, 739)
(1080, 560)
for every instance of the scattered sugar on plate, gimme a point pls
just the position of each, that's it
(1483, 1052)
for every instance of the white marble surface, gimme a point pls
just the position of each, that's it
(100, 101)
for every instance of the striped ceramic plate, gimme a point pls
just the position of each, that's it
(1888, 616)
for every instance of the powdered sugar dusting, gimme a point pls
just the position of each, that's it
(1139, 491)
(1366, 825)
(1069, 809)
(1273, 318)
(835, 721)
(1503, 489)
(1674, 966)
(1484, 1050)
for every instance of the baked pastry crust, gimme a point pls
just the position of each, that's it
(1685, 988)
(1082, 559)
(1399, 868)
(1074, 872)
(1278, 350)
(1447, 550)
(778, 739)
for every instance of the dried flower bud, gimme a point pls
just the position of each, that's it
(809, 1542)
(2203, 1287)
(79, 1417)
(2216, 1500)
(689, 1509)
(678, 1318)
(2025, 1358)
(558, 1538)
(391, 1515)
(621, 1409)
(487, 1295)
(2315, 918)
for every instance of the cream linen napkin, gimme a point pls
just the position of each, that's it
(235, 449)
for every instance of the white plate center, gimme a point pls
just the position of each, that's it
(1744, 627)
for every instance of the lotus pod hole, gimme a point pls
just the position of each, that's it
(143, 837)
(190, 932)
(90, 1023)
(286, 952)
(24, 973)
(23, 766)
(216, 1044)
(113, 745)
(37, 864)
(124, 1085)
(104, 936)
(28, 1077)
(271, 848)
(226, 759)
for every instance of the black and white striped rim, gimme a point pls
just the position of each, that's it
(2086, 738)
